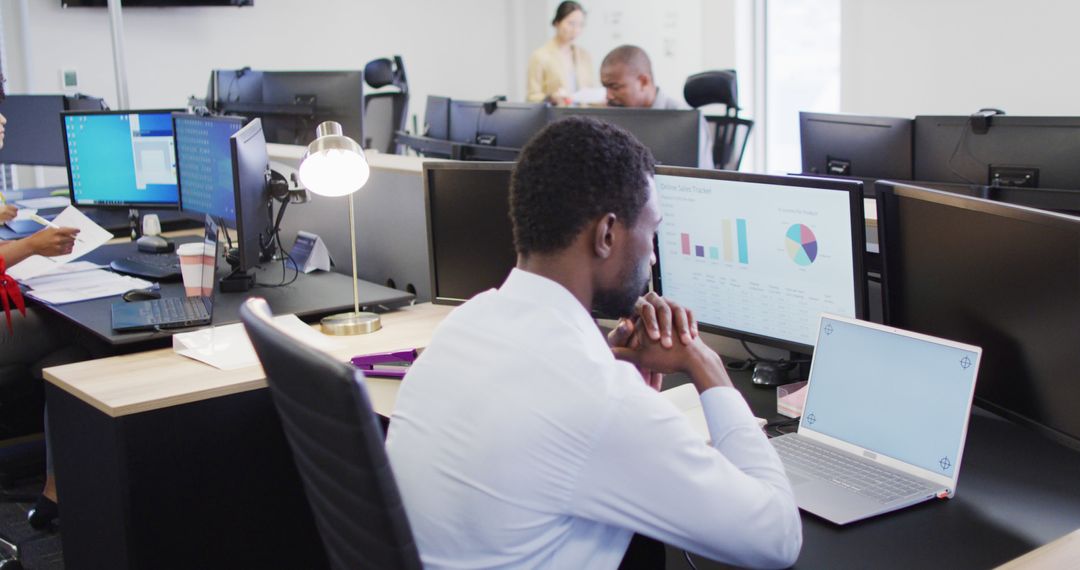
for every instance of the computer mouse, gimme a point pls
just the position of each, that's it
(154, 244)
(141, 295)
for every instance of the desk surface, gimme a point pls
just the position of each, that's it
(1017, 490)
(155, 379)
(312, 294)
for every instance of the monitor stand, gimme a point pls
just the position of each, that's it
(237, 282)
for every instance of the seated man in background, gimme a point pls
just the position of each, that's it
(520, 440)
(626, 73)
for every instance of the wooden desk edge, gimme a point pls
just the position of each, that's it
(1061, 553)
(397, 323)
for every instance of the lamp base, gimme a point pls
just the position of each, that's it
(351, 323)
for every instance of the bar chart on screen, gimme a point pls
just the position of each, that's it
(752, 257)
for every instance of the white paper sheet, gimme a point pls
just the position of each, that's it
(43, 203)
(91, 236)
(228, 348)
(70, 287)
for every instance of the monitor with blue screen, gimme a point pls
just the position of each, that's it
(204, 165)
(121, 158)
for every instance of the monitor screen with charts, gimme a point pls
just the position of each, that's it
(760, 257)
(204, 165)
(121, 158)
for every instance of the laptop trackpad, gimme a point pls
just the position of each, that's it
(831, 502)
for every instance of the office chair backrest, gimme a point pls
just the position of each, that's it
(732, 134)
(338, 448)
(385, 112)
(708, 87)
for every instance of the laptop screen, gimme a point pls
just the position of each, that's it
(897, 395)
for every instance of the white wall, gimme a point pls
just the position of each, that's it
(912, 57)
(470, 49)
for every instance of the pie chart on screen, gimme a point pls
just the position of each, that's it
(801, 244)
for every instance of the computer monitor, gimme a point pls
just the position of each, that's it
(1033, 152)
(999, 276)
(757, 257)
(121, 158)
(291, 103)
(471, 238)
(204, 165)
(856, 145)
(498, 123)
(250, 165)
(437, 117)
(32, 133)
(673, 136)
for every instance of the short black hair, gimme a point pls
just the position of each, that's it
(571, 172)
(566, 7)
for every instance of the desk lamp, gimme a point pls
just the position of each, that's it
(334, 165)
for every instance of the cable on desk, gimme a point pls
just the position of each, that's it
(689, 560)
(748, 363)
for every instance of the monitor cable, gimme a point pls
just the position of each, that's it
(977, 123)
(748, 363)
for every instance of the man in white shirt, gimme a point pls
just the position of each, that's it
(519, 440)
(626, 73)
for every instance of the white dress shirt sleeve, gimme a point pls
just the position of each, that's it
(650, 471)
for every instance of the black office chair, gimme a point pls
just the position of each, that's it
(731, 133)
(337, 445)
(385, 112)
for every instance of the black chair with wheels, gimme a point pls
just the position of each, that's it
(730, 132)
(337, 445)
(385, 112)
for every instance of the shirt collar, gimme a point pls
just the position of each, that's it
(538, 289)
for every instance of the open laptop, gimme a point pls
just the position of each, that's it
(884, 423)
(175, 312)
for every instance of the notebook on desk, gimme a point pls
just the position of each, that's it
(884, 423)
(176, 312)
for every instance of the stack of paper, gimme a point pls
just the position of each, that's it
(79, 283)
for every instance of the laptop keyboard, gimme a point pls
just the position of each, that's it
(862, 477)
(174, 310)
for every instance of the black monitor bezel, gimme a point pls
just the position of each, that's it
(126, 205)
(427, 168)
(249, 243)
(901, 125)
(858, 242)
(888, 191)
(242, 121)
(606, 113)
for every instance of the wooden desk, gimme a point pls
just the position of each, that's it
(165, 462)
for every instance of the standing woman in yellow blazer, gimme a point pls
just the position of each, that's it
(559, 68)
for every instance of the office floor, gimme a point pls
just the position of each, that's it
(40, 550)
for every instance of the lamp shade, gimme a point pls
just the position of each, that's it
(334, 164)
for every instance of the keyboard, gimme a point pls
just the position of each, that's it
(173, 312)
(156, 266)
(862, 476)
